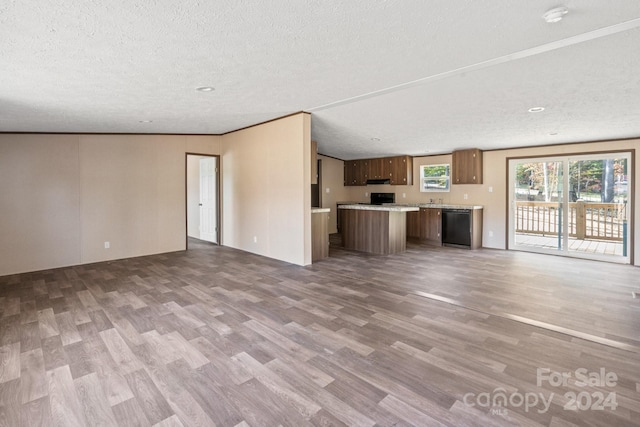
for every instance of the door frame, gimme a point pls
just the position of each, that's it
(631, 197)
(217, 197)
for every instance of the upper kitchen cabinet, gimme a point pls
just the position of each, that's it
(356, 172)
(401, 170)
(467, 166)
(350, 172)
(398, 170)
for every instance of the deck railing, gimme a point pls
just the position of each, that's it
(601, 221)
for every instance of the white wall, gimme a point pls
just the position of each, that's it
(266, 189)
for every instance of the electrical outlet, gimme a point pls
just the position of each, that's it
(490, 233)
(366, 194)
(328, 190)
(255, 239)
(404, 195)
(490, 189)
(107, 245)
(466, 196)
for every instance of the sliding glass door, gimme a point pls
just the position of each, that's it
(571, 205)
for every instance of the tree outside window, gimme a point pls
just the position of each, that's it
(435, 178)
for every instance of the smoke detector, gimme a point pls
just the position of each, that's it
(555, 14)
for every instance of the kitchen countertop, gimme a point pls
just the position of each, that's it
(320, 210)
(435, 205)
(386, 208)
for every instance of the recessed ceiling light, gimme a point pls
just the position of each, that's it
(205, 89)
(555, 14)
(145, 121)
(553, 133)
(536, 109)
(375, 139)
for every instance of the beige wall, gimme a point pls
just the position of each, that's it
(266, 189)
(63, 196)
(332, 189)
(39, 202)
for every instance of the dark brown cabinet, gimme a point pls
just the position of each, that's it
(425, 225)
(350, 172)
(413, 224)
(431, 226)
(356, 172)
(362, 172)
(467, 166)
(399, 170)
(378, 169)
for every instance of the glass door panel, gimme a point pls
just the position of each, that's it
(537, 203)
(598, 207)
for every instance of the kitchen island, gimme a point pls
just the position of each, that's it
(373, 228)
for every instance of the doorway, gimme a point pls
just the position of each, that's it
(578, 205)
(202, 197)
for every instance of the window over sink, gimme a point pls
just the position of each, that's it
(435, 178)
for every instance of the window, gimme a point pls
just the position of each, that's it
(434, 178)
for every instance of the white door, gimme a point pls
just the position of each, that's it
(208, 208)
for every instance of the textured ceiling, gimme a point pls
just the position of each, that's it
(379, 77)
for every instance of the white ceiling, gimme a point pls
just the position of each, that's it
(379, 77)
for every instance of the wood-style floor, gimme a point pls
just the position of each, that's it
(216, 336)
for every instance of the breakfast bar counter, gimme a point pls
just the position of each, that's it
(375, 229)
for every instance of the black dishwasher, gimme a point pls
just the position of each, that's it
(456, 227)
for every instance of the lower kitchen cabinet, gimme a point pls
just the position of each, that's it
(431, 226)
(413, 225)
(425, 225)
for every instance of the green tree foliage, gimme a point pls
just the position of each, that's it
(586, 177)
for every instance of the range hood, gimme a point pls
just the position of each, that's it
(378, 181)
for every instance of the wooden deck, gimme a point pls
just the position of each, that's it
(589, 246)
